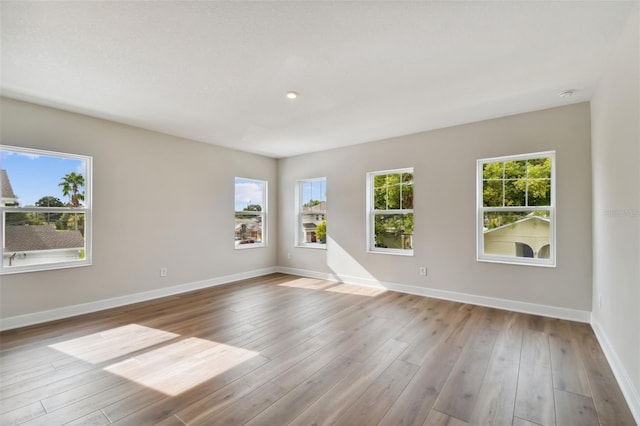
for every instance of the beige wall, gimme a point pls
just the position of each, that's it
(159, 201)
(615, 110)
(445, 189)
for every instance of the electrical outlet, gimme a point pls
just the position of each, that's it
(163, 272)
(600, 301)
(423, 271)
(288, 255)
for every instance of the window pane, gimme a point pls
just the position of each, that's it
(312, 218)
(314, 228)
(313, 195)
(407, 191)
(539, 192)
(380, 198)
(514, 192)
(493, 170)
(248, 228)
(515, 169)
(43, 238)
(394, 231)
(539, 168)
(393, 191)
(379, 181)
(517, 234)
(492, 193)
(43, 180)
(539, 181)
(249, 195)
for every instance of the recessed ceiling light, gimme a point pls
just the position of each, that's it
(292, 95)
(567, 93)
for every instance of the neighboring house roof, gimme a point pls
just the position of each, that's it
(512, 224)
(7, 194)
(321, 208)
(41, 237)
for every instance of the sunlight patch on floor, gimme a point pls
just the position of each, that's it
(113, 343)
(180, 366)
(356, 290)
(307, 283)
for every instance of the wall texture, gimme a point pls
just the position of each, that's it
(444, 205)
(159, 201)
(615, 112)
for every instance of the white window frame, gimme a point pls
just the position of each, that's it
(372, 212)
(299, 233)
(262, 214)
(86, 209)
(481, 210)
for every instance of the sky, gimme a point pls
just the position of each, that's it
(248, 192)
(35, 176)
(313, 190)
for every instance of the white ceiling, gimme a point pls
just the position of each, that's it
(217, 72)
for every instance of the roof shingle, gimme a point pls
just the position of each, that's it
(41, 237)
(7, 189)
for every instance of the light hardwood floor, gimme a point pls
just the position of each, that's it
(281, 349)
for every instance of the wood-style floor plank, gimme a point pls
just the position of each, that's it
(243, 410)
(496, 399)
(574, 409)
(331, 405)
(282, 349)
(534, 399)
(294, 402)
(567, 366)
(380, 395)
(460, 393)
(417, 399)
(436, 418)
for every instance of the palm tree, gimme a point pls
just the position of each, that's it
(71, 184)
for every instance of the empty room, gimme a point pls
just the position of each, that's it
(320, 212)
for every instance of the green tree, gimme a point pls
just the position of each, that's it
(71, 185)
(321, 231)
(312, 203)
(50, 201)
(252, 208)
(513, 184)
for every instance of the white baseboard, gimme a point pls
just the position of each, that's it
(84, 308)
(630, 392)
(99, 305)
(491, 302)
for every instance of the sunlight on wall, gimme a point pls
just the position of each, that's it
(113, 343)
(180, 366)
(346, 267)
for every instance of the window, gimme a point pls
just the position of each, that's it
(311, 202)
(390, 210)
(516, 209)
(46, 210)
(251, 210)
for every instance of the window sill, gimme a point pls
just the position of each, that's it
(249, 246)
(9, 270)
(517, 261)
(392, 252)
(312, 246)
